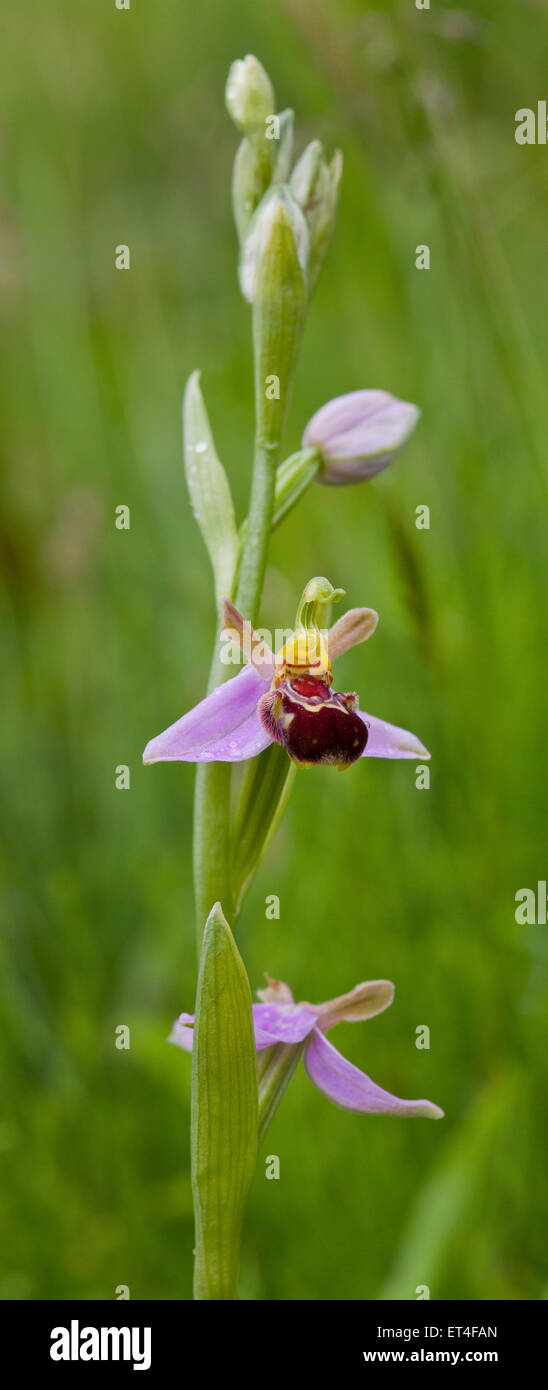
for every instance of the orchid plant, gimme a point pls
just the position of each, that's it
(281, 712)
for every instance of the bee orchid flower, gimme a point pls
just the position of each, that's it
(288, 698)
(302, 1028)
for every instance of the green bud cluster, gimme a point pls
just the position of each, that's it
(263, 166)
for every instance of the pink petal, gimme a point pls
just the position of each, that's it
(273, 1023)
(388, 741)
(285, 1023)
(355, 626)
(225, 727)
(351, 1089)
(364, 1001)
(359, 434)
(342, 414)
(181, 1034)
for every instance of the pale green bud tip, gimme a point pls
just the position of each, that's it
(310, 177)
(276, 208)
(336, 169)
(359, 434)
(284, 147)
(216, 917)
(249, 94)
(314, 185)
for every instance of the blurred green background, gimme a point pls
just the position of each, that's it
(114, 131)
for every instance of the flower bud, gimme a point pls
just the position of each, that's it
(276, 200)
(283, 146)
(276, 283)
(261, 160)
(249, 94)
(249, 182)
(310, 178)
(315, 186)
(359, 434)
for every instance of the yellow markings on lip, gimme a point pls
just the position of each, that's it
(302, 666)
(304, 654)
(305, 704)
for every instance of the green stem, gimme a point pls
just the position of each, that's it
(278, 317)
(274, 1077)
(212, 878)
(211, 825)
(261, 508)
(212, 790)
(293, 478)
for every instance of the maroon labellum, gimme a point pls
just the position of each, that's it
(313, 723)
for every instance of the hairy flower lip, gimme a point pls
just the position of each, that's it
(315, 725)
(279, 1020)
(226, 725)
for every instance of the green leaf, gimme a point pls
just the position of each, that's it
(209, 490)
(293, 478)
(223, 1145)
(263, 798)
(279, 308)
(277, 1065)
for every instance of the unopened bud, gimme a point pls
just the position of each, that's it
(277, 201)
(359, 434)
(249, 94)
(315, 187)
